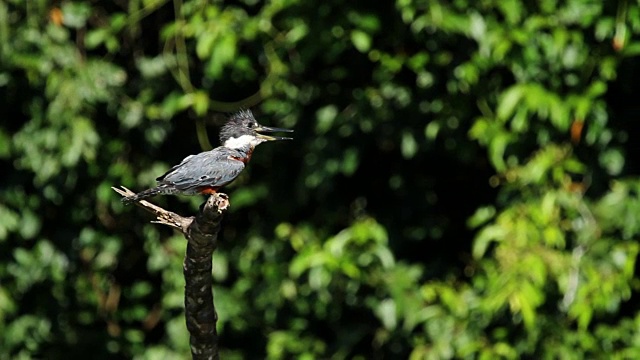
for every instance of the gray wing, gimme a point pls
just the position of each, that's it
(213, 168)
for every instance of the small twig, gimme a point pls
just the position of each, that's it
(201, 232)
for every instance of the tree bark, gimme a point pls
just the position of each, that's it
(201, 232)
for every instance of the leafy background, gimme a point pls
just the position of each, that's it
(463, 181)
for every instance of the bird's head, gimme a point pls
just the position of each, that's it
(242, 130)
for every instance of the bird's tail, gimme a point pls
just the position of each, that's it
(162, 189)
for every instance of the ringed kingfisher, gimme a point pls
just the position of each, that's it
(208, 171)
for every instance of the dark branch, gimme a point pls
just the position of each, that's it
(202, 235)
(200, 310)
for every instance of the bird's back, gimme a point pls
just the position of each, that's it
(209, 169)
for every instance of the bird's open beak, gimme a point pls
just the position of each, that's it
(267, 129)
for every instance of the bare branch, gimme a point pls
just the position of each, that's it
(164, 217)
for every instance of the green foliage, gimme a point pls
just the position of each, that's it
(462, 184)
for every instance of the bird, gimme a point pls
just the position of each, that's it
(206, 172)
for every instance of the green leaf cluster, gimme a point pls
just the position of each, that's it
(463, 181)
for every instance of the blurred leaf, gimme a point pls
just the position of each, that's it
(481, 216)
(75, 14)
(613, 161)
(223, 51)
(387, 313)
(509, 100)
(409, 145)
(361, 40)
(326, 117)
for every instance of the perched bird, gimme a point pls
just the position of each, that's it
(208, 171)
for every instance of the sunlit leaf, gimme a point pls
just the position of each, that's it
(361, 40)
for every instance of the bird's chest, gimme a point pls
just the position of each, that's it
(244, 157)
